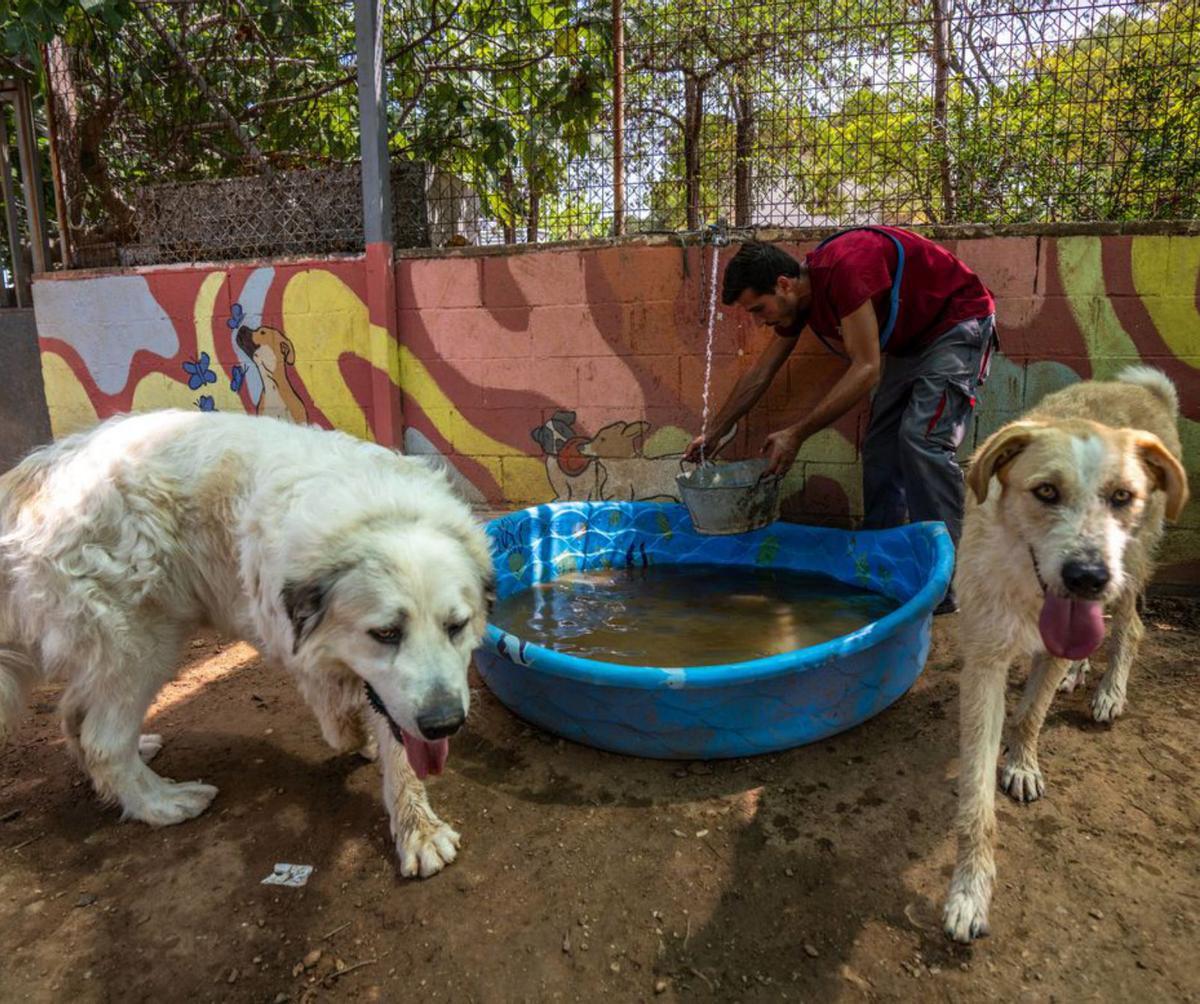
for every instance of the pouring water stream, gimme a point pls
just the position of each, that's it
(708, 348)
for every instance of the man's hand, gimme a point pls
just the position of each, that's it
(711, 445)
(781, 449)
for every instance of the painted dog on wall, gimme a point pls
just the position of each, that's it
(272, 352)
(611, 465)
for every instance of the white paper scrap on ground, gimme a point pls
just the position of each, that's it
(285, 874)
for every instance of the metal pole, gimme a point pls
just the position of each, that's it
(618, 30)
(380, 253)
(372, 122)
(16, 257)
(31, 178)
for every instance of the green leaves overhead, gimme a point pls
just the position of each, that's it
(505, 97)
(813, 111)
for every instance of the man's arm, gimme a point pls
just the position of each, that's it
(745, 394)
(860, 335)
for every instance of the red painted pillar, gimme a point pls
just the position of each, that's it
(388, 416)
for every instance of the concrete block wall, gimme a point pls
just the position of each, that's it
(578, 372)
(564, 373)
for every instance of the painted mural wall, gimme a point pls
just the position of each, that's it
(293, 341)
(578, 373)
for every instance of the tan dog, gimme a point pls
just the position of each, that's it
(626, 473)
(611, 464)
(274, 355)
(1065, 515)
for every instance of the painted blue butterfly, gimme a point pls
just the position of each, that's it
(237, 378)
(236, 314)
(199, 373)
(206, 403)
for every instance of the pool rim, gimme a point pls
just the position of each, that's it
(597, 672)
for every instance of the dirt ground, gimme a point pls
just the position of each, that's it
(812, 875)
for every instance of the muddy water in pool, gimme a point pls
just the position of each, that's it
(686, 615)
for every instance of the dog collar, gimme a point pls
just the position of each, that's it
(374, 700)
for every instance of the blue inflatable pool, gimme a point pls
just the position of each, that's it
(708, 712)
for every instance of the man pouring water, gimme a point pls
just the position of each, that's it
(917, 329)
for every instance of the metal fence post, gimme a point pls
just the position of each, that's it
(31, 178)
(16, 252)
(387, 420)
(372, 121)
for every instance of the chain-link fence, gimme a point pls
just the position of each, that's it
(939, 112)
(543, 120)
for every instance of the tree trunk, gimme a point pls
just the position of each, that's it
(93, 125)
(64, 102)
(535, 205)
(744, 130)
(693, 120)
(508, 187)
(941, 73)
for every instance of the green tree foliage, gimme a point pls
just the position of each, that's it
(815, 111)
(1106, 127)
(505, 94)
(1052, 113)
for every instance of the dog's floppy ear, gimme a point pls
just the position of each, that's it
(1167, 472)
(544, 438)
(998, 450)
(477, 544)
(306, 603)
(288, 350)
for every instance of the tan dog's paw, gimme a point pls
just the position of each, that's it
(1076, 677)
(1022, 782)
(427, 848)
(965, 916)
(1108, 705)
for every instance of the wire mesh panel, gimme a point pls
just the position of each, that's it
(502, 125)
(833, 114)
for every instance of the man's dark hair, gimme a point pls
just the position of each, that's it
(756, 267)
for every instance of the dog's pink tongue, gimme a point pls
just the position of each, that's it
(1071, 629)
(425, 757)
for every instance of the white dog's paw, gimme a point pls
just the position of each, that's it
(169, 803)
(1023, 782)
(426, 849)
(965, 916)
(1076, 677)
(370, 749)
(1107, 705)
(149, 746)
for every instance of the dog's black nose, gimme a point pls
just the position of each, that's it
(441, 719)
(1085, 578)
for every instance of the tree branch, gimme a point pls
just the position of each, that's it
(436, 27)
(222, 110)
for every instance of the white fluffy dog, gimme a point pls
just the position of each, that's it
(356, 569)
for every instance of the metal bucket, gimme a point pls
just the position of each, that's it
(730, 498)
